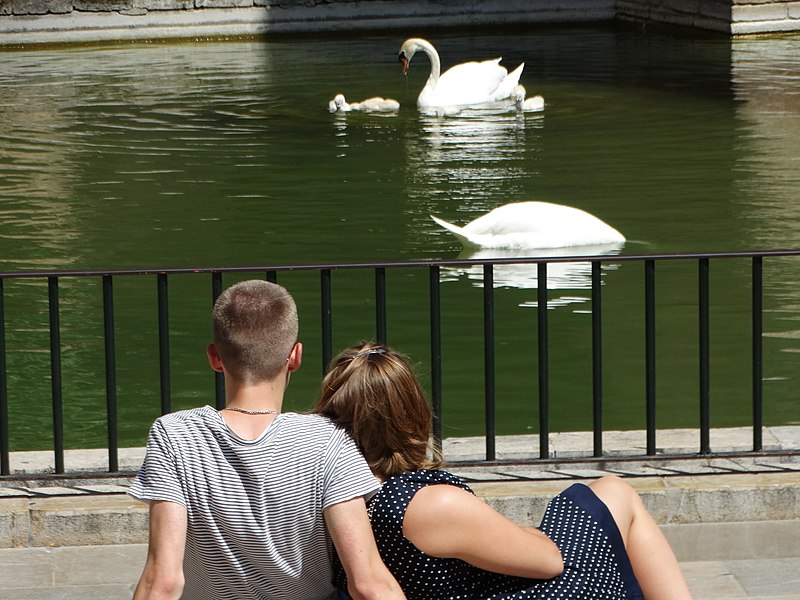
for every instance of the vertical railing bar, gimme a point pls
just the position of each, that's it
(163, 343)
(271, 276)
(705, 447)
(380, 304)
(55, 374)
(650, 353)
(219, 378)
(436, 355)
(544, 425)
(327, 325)
(489, 362)
(5, 466)
(111, 373)
(758, 356)
(597, 361)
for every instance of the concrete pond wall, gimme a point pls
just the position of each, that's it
(24, 22)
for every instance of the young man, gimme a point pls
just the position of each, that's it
(242, 499)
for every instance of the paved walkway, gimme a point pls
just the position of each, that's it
(734, 521)
(104, 572)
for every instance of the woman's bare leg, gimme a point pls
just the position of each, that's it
(653, 561)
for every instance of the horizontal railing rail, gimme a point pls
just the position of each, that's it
(379, 269)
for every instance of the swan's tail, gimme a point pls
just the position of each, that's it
(455, 230)
(506, 87)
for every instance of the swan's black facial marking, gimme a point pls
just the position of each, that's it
(403, 62)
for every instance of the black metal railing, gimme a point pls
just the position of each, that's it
(163, 276)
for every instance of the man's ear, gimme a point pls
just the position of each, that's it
(295, 357)
(213, 358)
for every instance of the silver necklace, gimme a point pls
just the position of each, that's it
(251, 412)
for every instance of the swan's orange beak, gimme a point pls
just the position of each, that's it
(404, 63)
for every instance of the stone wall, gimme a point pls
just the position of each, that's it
(737, 17)
(24, 22)
(324, 14)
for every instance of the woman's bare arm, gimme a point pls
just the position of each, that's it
(449, 522)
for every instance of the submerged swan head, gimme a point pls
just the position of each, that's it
(519, 95)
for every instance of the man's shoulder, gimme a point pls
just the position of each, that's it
(313, 430)
(309, 421)
(185, 418)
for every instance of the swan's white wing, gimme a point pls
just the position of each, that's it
(468, 83)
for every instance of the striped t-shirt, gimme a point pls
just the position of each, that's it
(255, 523)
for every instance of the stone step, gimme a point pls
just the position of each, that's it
(762, 509)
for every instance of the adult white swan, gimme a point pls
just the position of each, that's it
(466, 84)
(534, 225)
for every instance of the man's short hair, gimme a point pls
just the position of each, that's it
(254, 329)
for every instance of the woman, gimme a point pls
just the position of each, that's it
(440, 541)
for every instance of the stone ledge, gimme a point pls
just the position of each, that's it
(72, 521)
(672, 500)
(89, 507)
(719, 500)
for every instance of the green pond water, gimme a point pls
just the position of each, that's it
(224, 154)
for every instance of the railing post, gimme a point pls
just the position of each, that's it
(758, 357)
(705, 446)
(597, 360)
(544, 400)
(55, 374)
(111, 373)
(650, 353)
(327, 325)
(380, 304)
(219, 378)
(163, 343)
(5, 467)
(436, 354)
(272, 276)
(488, 359)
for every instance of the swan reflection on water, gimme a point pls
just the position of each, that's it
(560, 275)
(475, 156)
(491, 132)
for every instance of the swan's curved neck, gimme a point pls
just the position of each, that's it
(433, 56)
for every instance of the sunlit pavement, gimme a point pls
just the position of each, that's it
(104, 572)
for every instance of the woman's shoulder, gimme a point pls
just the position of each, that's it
(398, 491)
(424, 477)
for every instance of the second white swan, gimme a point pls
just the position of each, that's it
(465, 84)
(522, 225)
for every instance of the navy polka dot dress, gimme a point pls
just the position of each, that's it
(596, 565)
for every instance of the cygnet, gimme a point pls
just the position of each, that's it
(375, 104)
(534, 103)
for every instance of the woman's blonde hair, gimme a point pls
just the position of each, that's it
(372, 392)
